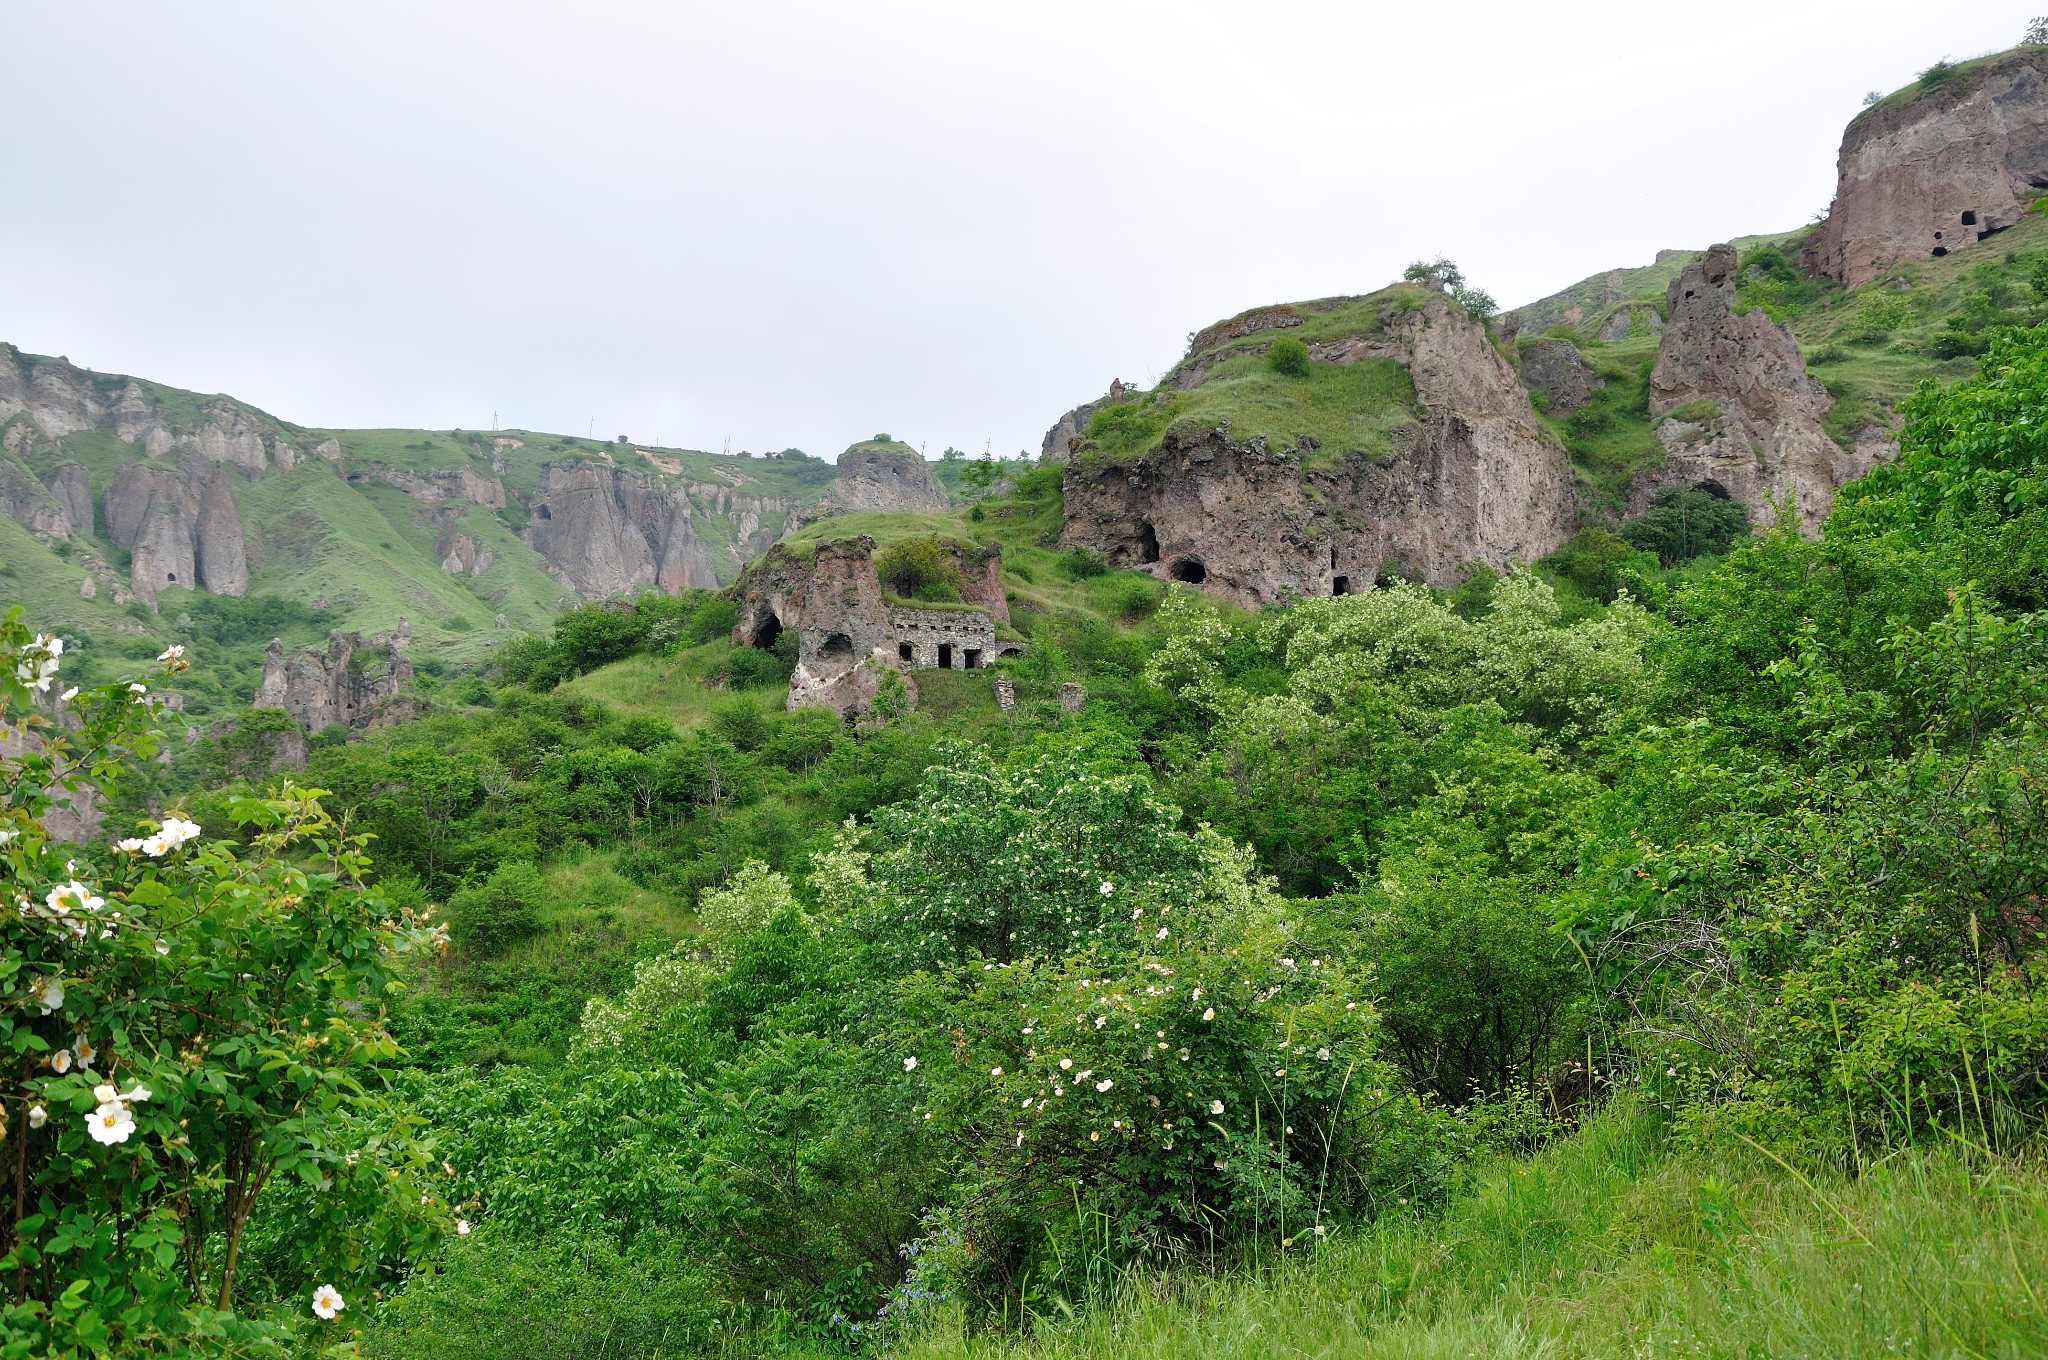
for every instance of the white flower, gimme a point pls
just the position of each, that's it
(68, 695)
(1209, 1014)
(1287, 963)
(995, 1071)
(1161, 935)
(174, 652)
(176, 831)
(1279, 1071)
(1104, 1084)
(136, 1093)
(1322, 1055)
(141, 692)
(37, 1116)
(910, 1064)
(84, 1051)
(327, 1302)
(1066, 1063)
(105, 1095)
(7, 834)
(48, 993)
(462, 1227)
(1215, 1107)
(66, 896)
(1351, 1005)
(1320, 1230)
(129, 846)
(61, 1060)
(1027, 1029)
(1106, 889)
(110, 1123)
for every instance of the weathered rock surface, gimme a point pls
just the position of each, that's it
(23, 496)
(1939, 170)
(1745, 417)
(348, 684)
(1473, 480)
(607, 531)
(442, 484)
(1065, 435)
(849, 633)
(880, 477)
(72, 487)
(180, 526)
(1556, 370)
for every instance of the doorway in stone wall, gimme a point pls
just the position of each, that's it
(945, 656)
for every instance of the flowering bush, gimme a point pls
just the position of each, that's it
(187, 1029)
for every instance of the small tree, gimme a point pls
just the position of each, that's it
(2037, 33)
(1288, 357)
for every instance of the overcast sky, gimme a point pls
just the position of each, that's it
(804, 223)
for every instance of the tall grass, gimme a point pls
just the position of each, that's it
(1606, 1245)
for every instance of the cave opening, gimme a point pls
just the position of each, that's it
(1148, 544)
(1940, 251)
(767, 628)
(905, 652)
(1190, 571)
(542, 511)
(171, 575)
(836, 645)
(1340, 585)
(1970, 218)
(945, 656)
(1714, 489)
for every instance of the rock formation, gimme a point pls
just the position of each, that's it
(1065, 435)
(72, 487)
(1555, 370)
(606, 531)
(461, 552)
(1742, 417)
(849, 632)
(347, 685)
(1471, 480)
(23, 496)
(883, 477)
(1935, 169)
(442, 484)
(180, 526)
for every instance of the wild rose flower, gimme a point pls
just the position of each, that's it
(110, 1123)
(910, 1064)
(327, 1302)
(48, 993)
(37, 1116)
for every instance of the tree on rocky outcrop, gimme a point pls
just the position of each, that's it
(1445, 272)
(2037, 33)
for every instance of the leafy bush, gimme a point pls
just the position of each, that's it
(490, 918)
(1682, 524)
(910, 565)
(1288, 357)
(1081, 564)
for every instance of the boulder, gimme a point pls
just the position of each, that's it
(1933, 170)
(1741, 415)
(1065, 435)
(883, 477)
(1555, 369)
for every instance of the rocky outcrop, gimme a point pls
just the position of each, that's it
(72, 487)
(1741, 415)
(1936, 169)
(1066, 434)
(849, 633)
(883, 477)
(180, 526)
(461, 552)
(347, 684)
(1471, 480)
(440, 485)
(1554, 370)
(23, 496)
(606, 531)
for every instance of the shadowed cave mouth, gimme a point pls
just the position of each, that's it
(835, 645)
(1148, 544)
(767, 628)
(1189, 570)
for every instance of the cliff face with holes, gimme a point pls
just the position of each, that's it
(1470, 479)
(1931, 170)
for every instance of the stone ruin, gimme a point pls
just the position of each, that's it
(849, 633)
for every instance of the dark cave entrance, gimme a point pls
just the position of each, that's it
(1970, 219)
(1340, 585)
(767, 628)
(1190, 571)
(905, 652)
(836, 645)
(1148, 544)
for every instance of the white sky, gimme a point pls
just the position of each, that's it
(804, 223)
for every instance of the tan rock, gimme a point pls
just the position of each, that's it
(347, 684)
(607, 531)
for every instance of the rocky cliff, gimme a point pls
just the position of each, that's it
(1462, 475)
(606, 531)
(1937, 167)
(180, 526)
(878, 476)
(1741, 417)
(348, 684)
(1066, 433)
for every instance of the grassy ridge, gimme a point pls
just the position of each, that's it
(1608, 1244)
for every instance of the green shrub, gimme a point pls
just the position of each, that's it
(1288, 357)
(491, 917)
(909, 565)
(1683, 523)
(1081, 564)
